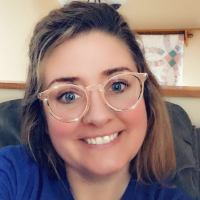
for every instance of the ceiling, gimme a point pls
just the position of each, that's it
(154, 14)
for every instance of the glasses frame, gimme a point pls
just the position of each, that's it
(44, 96)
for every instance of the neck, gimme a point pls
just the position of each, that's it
(89, 187)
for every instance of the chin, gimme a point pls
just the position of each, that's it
(105, 170)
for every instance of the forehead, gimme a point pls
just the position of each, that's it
(87, 56)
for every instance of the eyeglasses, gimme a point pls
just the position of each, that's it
(69, 102)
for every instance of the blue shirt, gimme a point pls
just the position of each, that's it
(22, 179)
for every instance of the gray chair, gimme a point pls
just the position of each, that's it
(187, 147)
(10, 122)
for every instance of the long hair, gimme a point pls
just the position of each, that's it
(156, 158)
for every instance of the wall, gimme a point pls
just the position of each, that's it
(160, 14)
(17, 19)
(190, 105)
(191, 68)
(10, 94)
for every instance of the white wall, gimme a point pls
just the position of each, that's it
(158, 14)
(190, 105)
(17, 19)
(191, 70)
(10, 94)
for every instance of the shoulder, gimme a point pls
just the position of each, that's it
(16, 161)
(15, 156)
(138, 190)
(22, 178)
(16, 168)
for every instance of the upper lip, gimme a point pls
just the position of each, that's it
(100, 135)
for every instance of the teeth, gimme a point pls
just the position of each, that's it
(106, 139)
(89, 141)
(112, 137)
(101, 140)
(93, 141)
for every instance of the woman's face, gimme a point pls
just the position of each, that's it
(91, 58)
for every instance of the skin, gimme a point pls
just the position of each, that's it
(95, 168)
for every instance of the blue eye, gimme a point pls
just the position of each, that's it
(119, 86)
(68, 97)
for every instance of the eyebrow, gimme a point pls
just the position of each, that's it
(107, 72)
(64, 79)
(114, 70)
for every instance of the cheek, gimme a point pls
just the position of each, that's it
(136, 118)
(58, 129)
(136, 125)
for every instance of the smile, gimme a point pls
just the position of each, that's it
(101, 140)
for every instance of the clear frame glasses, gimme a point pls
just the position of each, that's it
(69, 102)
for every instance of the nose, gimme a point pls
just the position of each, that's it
(99, 113)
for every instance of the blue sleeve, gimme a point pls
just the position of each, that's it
(15, 173)
(7, 177)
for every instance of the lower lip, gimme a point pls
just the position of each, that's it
(104, 146)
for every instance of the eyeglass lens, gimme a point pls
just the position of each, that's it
(121, 92)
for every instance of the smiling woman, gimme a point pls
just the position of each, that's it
(94, 122)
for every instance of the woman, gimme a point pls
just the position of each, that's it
(95, 125)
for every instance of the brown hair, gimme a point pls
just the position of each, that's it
(156, 158)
